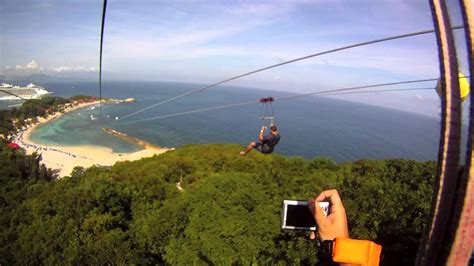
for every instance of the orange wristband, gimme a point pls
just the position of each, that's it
(362, 252)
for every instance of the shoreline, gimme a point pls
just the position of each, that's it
(63, 158)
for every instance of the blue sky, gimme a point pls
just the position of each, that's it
(206, 41)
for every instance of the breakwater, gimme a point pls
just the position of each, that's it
(128, 138)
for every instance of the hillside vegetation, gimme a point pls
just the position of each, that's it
(228, 211)
(14, 119)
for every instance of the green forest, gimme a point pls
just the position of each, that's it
(228, 211)
(16, 118)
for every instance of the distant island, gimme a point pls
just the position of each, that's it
(79, 99)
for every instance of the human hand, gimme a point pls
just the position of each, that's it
(335, 224)
(263, 128)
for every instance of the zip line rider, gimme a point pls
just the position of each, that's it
(265, 144)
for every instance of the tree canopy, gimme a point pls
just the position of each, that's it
(227, 213)
(11, 120)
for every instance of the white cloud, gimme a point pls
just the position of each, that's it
(262, 9)
(176, 46)
(390, 58)
(419, 97)
(72, 69)
(179, 35)
(34, 67)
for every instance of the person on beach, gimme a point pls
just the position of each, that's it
(265, 144)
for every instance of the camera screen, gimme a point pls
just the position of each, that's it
(299, 216)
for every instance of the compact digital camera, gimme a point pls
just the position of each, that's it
(296, 215)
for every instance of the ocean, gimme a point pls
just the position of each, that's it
(309, 126)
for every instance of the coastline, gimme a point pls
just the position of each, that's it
(63, 158)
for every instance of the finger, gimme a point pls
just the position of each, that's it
(322, 196)
(333, 197)
(312, 235)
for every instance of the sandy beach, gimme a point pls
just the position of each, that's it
(64, 158)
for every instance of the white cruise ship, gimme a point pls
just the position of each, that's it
(31, 91)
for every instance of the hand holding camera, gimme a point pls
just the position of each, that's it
(325, 213)
(335, 223)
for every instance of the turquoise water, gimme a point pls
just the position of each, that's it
(310, 127)
(76, 128)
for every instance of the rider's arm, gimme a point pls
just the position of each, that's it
(262, 131)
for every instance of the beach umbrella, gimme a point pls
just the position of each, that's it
(13, 146)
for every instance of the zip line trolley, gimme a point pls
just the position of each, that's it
(266, 113)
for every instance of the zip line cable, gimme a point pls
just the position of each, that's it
(13, 94)
(324, 93)
(256, 102)
(100, 55)
(285, 63)
(377, 91)
(359, 87)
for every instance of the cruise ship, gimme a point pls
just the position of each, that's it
(31, 91)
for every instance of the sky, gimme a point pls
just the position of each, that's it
(208, 41)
